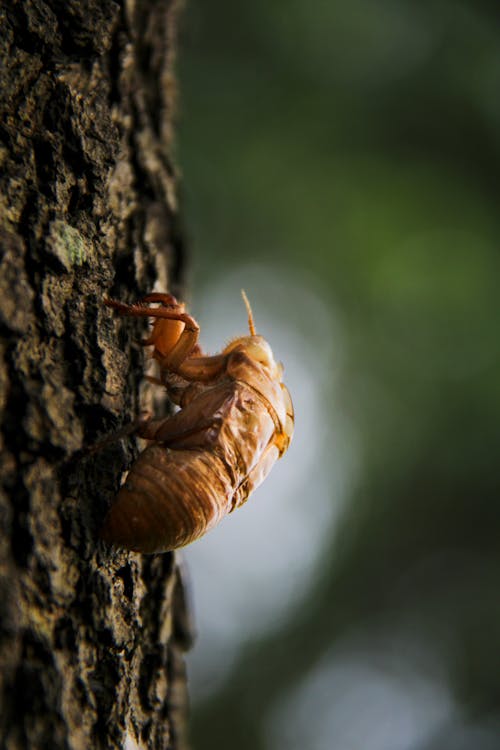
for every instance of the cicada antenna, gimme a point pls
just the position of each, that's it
(251, 324)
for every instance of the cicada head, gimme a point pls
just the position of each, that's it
(257, 349)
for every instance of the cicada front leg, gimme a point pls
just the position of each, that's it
(196, 425)
(176, 347)
(179, 359)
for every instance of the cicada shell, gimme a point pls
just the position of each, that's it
(235, 420)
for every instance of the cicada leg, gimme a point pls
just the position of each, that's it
(165, 299)
(180, 432)
(197, 424)
(178, 360)
(132, 428)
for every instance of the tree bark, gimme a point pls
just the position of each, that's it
(90, 637)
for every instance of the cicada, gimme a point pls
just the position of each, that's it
(235, 420)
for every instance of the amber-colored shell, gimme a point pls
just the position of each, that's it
(235, 421)
(170, 498)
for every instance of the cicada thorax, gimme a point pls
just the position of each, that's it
(169, 499)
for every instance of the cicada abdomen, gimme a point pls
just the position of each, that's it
(169, 499)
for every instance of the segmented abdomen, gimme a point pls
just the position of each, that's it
(170, 498)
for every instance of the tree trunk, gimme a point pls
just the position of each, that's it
(90, 637)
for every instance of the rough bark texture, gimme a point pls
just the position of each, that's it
(90, 637)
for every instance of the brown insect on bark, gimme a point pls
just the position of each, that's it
(235, 420)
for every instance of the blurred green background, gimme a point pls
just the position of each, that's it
(354, 149)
